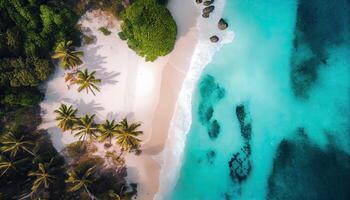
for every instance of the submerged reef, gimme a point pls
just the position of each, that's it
(244, 122)
(240, 164)
(312, 172)
(211, 156)
(316, 32)
(210, 94)
(214, 129)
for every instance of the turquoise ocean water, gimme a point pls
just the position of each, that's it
(271, 112)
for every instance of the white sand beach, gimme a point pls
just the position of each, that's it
(145, 92)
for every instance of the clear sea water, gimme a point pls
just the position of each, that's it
(279, 95)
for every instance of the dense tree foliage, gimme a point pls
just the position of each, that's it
(22, 154)
(30, 167)
(29, 31)
(149, 29)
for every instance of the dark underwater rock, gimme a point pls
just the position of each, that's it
(208, 3)
(210, 93)
(208, 9)
(211, 156)
(222, 24)
(198, 1)
(205, 113)
(214, 129)
(205, 15)
(210, 90)
(302, 170)
(240, 166)
(244, 121)
(214, 39)
(317, 32)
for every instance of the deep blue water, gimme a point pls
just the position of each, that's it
(271, 112)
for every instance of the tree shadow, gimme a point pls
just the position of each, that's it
(130, 116)
(56, 136)
(107, 77)
(113, 116)
(92, 58)
(87, 107)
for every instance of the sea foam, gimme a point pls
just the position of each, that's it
(172, 154)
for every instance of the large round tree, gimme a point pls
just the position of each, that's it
(149, 29)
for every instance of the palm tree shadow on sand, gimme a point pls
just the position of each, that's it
(87, 107)
(92, 59)
(107, 77)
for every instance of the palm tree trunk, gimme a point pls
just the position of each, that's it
(92, 197)
(121, 153)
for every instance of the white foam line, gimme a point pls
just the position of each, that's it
(181, 121)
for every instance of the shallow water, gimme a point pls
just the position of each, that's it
(273, 106)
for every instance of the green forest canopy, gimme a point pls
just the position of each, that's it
(29, 30)
(149, 29)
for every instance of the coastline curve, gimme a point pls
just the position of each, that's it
(181, 121)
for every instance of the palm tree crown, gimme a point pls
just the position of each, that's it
(108, 130)
(66, 117)
(67, 55)
(86, 126)
(13, 143)
(127, 135)
(8, 164)
(81, 180)
(43, 178)
(87, 81)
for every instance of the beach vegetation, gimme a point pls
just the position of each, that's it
(8, 165)
(77, 149)
(13, 143)
(27, 167)
(86, 127)
(43, 177)
(149, 28)
(108, 130)
(81, 179)
(115, 7)
(68, 56)
(22, 97)
(105, 31)
(87, 39)
(127, 136)
(29, 33)
(87, 81)
(66, 117)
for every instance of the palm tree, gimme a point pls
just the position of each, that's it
(13, 143)
(66, 117)
(67, 55)
(108, 130)
(8, 164)
(81, 180)
(87, 81)
(127, 135)
(86, 126)
(114, 195)
(43, 177)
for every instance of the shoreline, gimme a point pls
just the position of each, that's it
(172, 75)
(147, 92)
(142, 91)
(182, 117)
